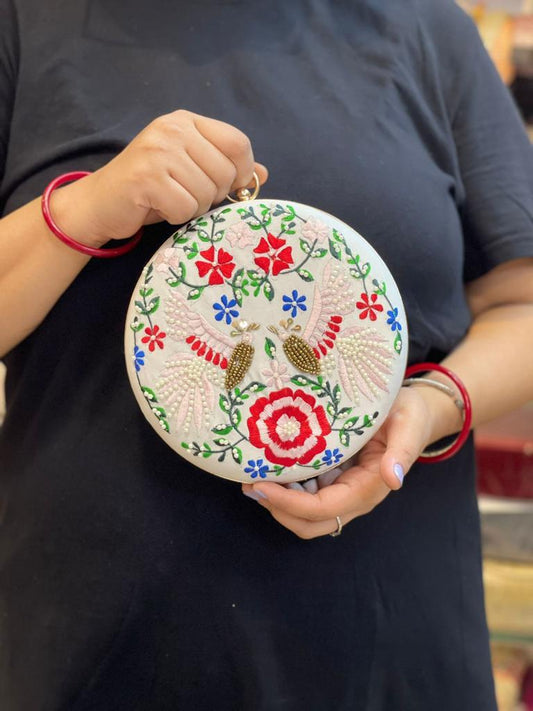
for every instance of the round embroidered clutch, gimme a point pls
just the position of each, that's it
(266, 340)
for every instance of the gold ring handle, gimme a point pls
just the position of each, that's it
(243, 194)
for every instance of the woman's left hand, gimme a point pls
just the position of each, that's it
(381, 465)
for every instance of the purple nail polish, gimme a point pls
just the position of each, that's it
(398, 471)
(255, 495)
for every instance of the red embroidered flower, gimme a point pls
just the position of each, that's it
(276, 254)
(217, 266)
(289, 426)
(368, 307)
(154, 337)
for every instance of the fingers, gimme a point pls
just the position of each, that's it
(232, 143)
(405, 432)
(355, 492)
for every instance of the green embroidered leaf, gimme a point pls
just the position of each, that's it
(356, 274)
(331, 409)
(317, 464)
(289, 214)
(368, 420)
(350, 422)
(185, 445)
(146, 292)
(164, 424)
(338, 237)
(398, 344)
(278, 469)
(191, 252)
(149, 394)
(334, 249)
(236, 453)
(319, 253)
(268, 290)
(255, 387)
(270, 347)
(153, 305)
(278, 210)
(203, 235)
(344, 411)
(136, 325)
(380, 289)
(225, 211)
(159, 411)
(223, 403)
(221, 442)
(173, 282)
(180, 238)
(366, 269)
(218, 235)
(305, 275)
(344, 438)
(236, 418)
(207, 450)
(222, 429)
(337, 393)
(301, 380)
(195, 293)
(149, 272)
(305, 246)
(222, 455)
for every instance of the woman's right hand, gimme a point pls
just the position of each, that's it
(175, 169)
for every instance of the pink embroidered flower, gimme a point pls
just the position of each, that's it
(368, 307)
(154, 337)
(315, 230)
(167, 259)
(218, 265)
(240, 235)
(276, 374)
(289, 426)
(276, 254)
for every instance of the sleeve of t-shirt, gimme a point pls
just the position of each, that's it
(493, 152)
(8, 73)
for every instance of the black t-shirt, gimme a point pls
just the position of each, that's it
(130, 580)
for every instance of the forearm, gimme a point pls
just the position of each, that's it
(35, 267)
(494, 362)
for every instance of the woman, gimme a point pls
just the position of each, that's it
(129, 580)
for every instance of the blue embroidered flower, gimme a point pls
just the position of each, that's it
(138, 358)
(225, 309)
(332, 457)
(393, 315)
(294, 302)
(256, 468)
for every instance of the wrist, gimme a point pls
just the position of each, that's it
(444, 416)
(73, 211)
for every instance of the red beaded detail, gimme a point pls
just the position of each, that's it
(78, 246)
(466, 410)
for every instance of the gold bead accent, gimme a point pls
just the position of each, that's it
(301, 355)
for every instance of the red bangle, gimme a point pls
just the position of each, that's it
(54, 227)
(465, 407)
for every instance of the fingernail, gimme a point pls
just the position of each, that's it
(398, 471)
(255, 495)
(328, 477)
(311, 485)
(296, 486)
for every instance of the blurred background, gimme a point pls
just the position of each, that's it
(505, 446)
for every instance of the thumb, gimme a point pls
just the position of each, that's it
(404, 441)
